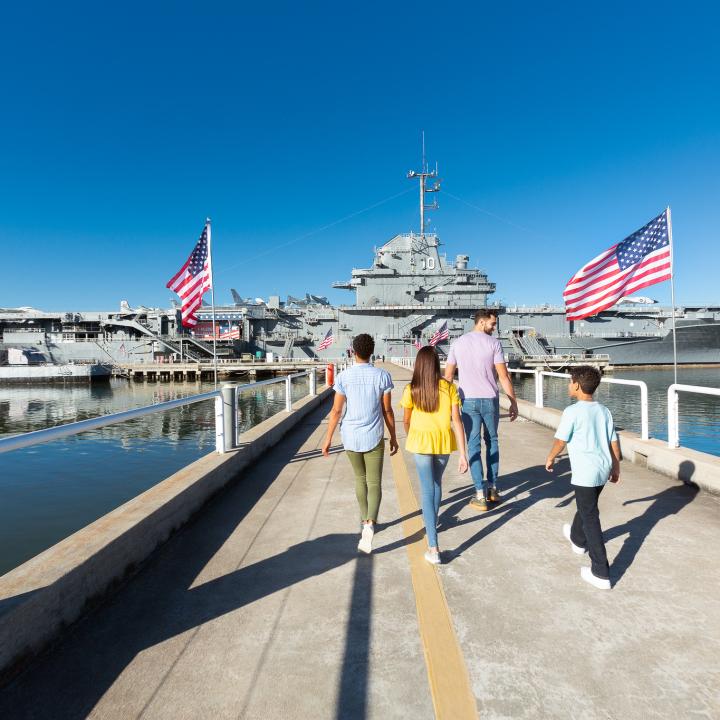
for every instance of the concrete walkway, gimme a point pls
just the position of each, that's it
(261, 607)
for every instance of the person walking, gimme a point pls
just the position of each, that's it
(364, 393)
(434, 430)
(478, 357)
(588, 429)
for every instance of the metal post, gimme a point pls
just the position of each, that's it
(673, 411)
(230, 428)
(313, 382)
(538, 388)
(644, 420)
(288, 394)
(219, 425)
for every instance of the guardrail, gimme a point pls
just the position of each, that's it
(539, 388)
(226, 410)
(674, 408)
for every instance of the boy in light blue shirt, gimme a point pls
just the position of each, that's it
(588, 430)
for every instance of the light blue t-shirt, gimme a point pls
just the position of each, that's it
(363, 386)
(588, 429)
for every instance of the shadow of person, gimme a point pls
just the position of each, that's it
(662, 505)
(521, 490)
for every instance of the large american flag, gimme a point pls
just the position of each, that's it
(642, 259)
(442, 333)
(193, 279)
(327, 341)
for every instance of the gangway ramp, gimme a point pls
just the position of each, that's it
(262, 608)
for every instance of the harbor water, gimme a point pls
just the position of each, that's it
(49, 491)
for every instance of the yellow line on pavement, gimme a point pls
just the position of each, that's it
(450, 688)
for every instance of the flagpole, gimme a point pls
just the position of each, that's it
(672, 290)
(212, 301)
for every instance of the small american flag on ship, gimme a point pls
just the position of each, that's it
(193, 279)
(442, 333)
(417, 343)
(327, 341)
(643, 258)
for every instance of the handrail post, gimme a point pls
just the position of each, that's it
(230, 424)
(219, 425)
(288, 394)
(313, 382)
(673, 412)
(644, 419)
(538, 388)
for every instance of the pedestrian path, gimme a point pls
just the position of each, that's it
(262, 607)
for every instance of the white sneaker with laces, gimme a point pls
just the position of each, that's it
(576, 548)
(600, 583)
(433, 557)
(366, 538)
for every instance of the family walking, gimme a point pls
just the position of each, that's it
(440, 418)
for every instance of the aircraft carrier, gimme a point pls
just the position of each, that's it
(411, 291)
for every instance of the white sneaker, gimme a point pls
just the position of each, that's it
(600, 583)
(366, 538)
(576, 548)
(433, 557)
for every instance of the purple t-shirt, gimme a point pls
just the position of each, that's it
(475, 355)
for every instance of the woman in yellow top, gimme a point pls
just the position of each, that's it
(434, 429)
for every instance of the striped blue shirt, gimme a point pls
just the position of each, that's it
(363, 387)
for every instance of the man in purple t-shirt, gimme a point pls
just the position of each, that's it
(478, 356)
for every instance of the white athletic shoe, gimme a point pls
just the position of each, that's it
(576, 548)
(600, 583)
(366, 538)
(433, 557)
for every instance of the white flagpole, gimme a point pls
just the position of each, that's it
(212, 300)
(672, 290)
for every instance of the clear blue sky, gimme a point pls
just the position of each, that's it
(567, 124)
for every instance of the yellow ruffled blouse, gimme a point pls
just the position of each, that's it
(431, 433)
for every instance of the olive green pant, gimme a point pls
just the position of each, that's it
(367, 467)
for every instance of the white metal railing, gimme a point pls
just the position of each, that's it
(539, 388)
(226, 407)
(673, 405)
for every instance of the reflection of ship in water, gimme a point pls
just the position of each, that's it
(410, 291)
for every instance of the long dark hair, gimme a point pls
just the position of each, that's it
(425, 383)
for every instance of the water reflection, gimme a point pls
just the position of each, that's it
(699, 414)
(49, 491)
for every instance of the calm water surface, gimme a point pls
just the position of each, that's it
(49, 491)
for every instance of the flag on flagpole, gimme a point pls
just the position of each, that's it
(327, 341)
(442, 333)
(641, 259)
(417, 343)
(192, 280)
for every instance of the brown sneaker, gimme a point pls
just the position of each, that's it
(494, 495)
(479, 502)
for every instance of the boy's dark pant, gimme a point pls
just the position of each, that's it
(586, 531)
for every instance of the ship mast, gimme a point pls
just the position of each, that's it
(423, 176)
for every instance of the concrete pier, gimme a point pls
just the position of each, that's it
(261, 607)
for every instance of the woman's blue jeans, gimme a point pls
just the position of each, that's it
(430, 470)
(481, 415)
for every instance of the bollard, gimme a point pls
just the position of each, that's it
(288, 394)
(313, 382)
(219, 425)
(230, 424)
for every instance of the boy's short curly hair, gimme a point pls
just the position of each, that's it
(363, 345)
(587, 376)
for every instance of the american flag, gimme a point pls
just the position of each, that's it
(327, 341)
(193, 279)
(417, 343)
(642, 259)
(442, 333)
(231, 334)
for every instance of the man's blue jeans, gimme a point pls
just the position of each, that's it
(430, 470)
(482, 415)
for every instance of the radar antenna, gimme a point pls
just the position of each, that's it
(423, 176)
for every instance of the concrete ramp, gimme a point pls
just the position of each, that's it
(261, 607)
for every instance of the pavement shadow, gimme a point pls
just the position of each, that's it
(164, 601)
(662, 505)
